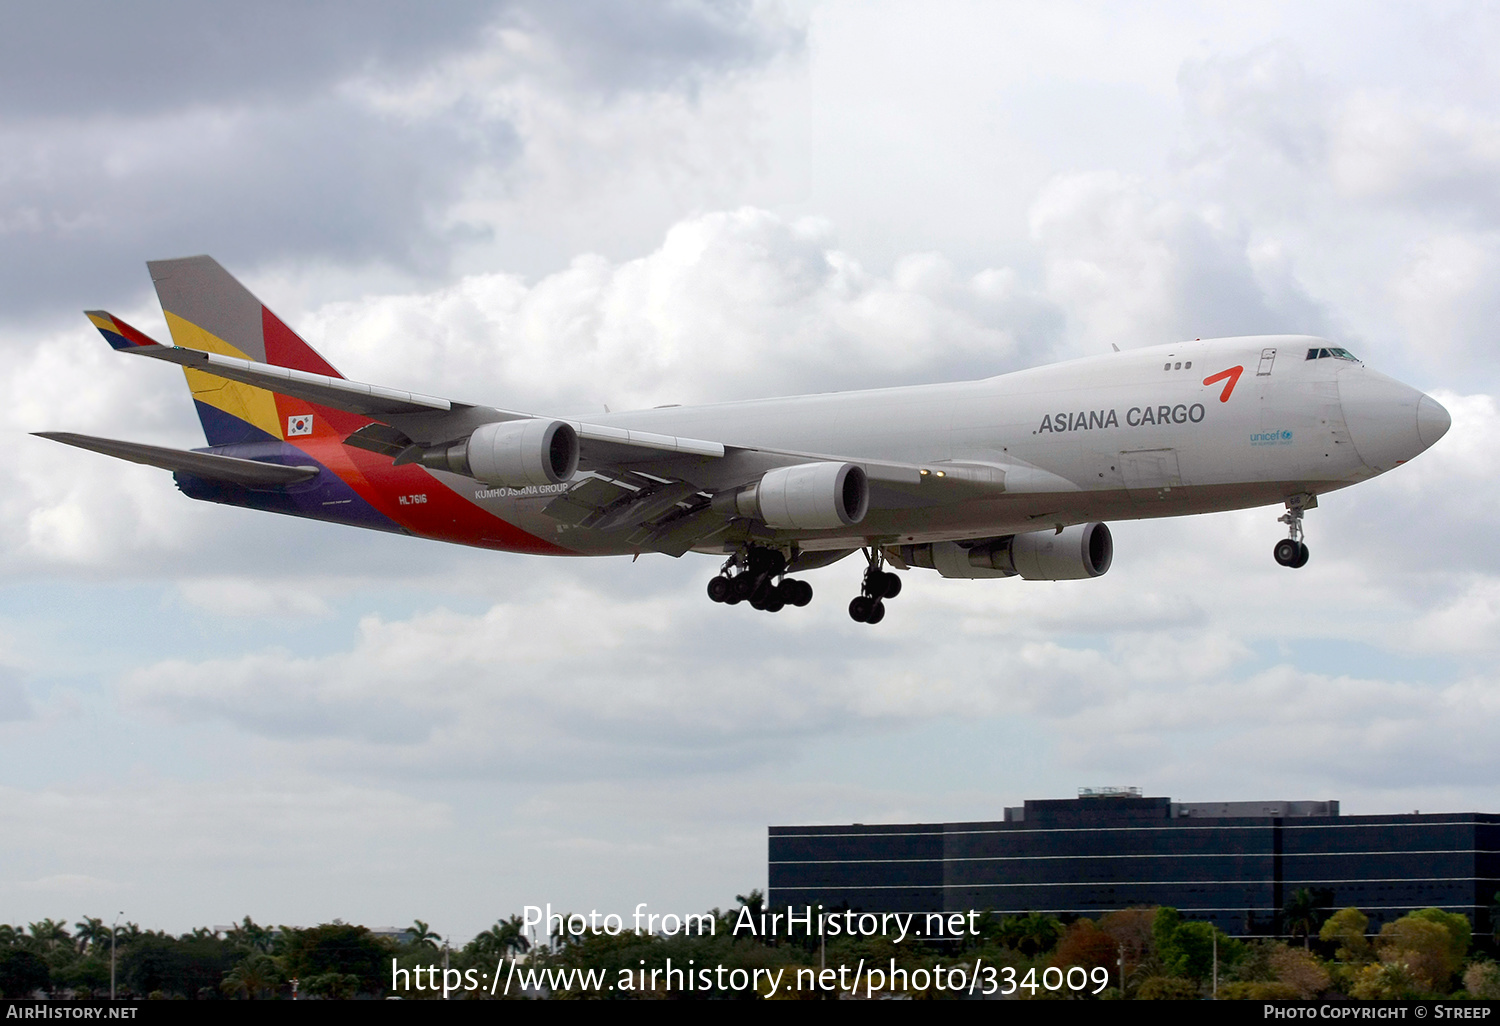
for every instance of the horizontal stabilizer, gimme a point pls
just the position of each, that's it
(119, 334)
(199, 464)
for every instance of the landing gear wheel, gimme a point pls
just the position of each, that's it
(775, 601)
(877, 612)
(801, 593)
(892, 586)
(744, 584)
(718, 589)
(1292, 550)
(859, 608)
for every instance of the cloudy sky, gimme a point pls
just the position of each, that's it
(207, 713)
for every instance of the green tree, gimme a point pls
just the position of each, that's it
(1346, 928)
(85, 977)
(1186, 949)
(1391, 981)
(22, 973)
(337, 948)
(1167, 988)
(251, 937)
(188, 966)
(1424, 947)
(335, 986)
(1460, 930)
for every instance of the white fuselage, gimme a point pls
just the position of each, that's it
(1125, 435)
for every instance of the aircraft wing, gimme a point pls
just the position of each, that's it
(200, 464)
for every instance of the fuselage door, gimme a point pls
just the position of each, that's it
(1267, 357)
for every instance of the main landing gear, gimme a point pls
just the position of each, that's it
(1292, 550)
(751, 575)
(869, 606)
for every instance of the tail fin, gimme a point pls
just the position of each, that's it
(208, 310)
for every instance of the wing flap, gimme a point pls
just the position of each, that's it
(200, 464)
(653, 444)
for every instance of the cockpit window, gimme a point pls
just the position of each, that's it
(1337, 354)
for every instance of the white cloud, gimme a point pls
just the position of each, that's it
(734, 304)
(1135, 270)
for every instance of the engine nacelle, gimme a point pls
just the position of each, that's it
(809, 496)
(513, 453)
(1077, 553)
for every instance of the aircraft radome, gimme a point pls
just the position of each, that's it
(1007, 476)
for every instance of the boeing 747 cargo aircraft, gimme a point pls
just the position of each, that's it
(1009, 476)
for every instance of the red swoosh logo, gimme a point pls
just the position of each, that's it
(1231, 376)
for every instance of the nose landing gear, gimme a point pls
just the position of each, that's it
(869, 605)
(750, 575)
(1292, 550)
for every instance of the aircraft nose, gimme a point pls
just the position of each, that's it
(1388, 422)
(1433, 421)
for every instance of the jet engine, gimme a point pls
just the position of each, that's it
(809, 496)
(513, 453)
(1077, 553)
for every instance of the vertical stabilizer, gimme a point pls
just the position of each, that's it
(208, 310)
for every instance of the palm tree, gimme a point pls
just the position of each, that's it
(1032, 933)
(257, 973)
(755, 901)
(92, 934)
(250, 936)
(49, 935)
(420, 936)
(507, 936)
(1302, 916)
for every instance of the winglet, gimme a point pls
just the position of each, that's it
(119, 334)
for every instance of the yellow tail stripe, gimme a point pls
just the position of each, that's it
(255, 406)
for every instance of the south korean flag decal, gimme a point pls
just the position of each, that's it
(299, 425)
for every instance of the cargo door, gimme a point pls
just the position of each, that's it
(1151, 475)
